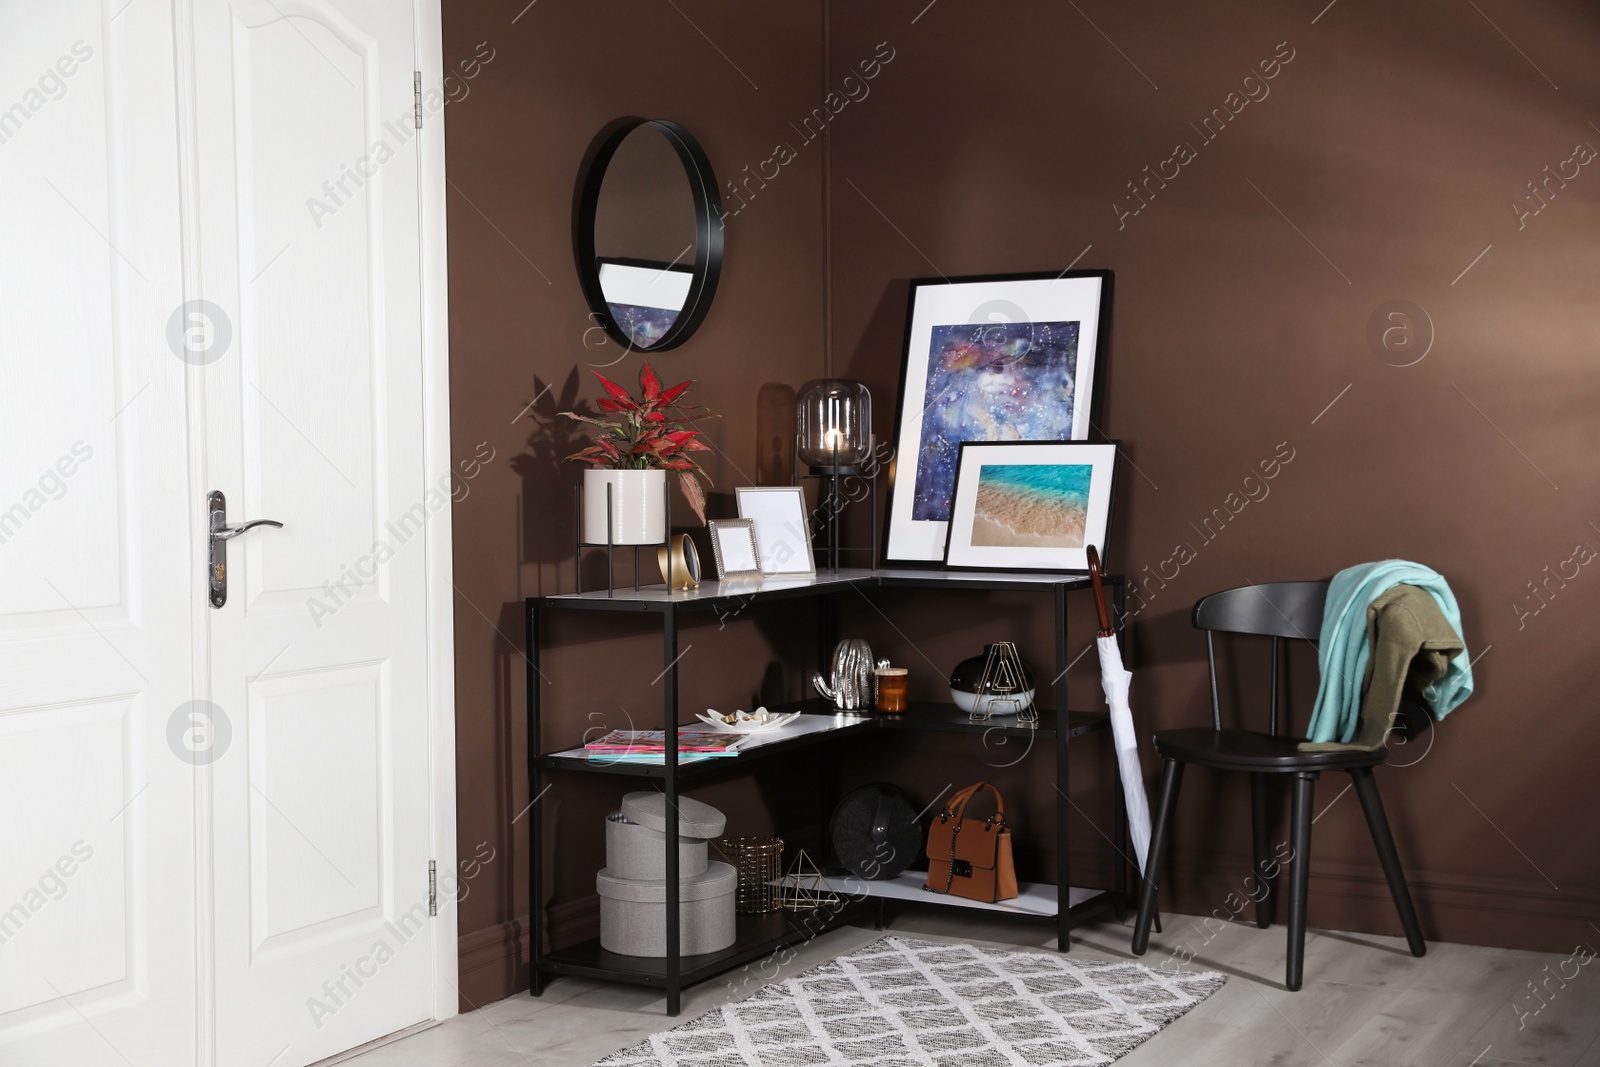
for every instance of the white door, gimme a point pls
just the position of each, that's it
(309, 240)
(214, 822)
(97, 829)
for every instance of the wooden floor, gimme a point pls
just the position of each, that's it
(1366, 1001)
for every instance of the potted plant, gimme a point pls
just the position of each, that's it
(639, 445)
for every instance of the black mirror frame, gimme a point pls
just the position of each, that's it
(707, 222)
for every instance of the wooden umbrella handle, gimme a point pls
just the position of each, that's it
(1106, 629)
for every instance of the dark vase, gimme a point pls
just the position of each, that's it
(999, 697)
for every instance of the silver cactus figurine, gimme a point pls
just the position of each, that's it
(850, 685)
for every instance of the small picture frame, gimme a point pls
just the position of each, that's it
(733, 546)
(1030, 506)
(782, 525)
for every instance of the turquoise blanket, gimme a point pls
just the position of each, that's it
(1342, 652)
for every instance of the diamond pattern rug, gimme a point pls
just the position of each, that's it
(908, 1003)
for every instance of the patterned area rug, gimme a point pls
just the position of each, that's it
(906, 1003)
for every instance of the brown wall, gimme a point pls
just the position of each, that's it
(518, 331)
(998, 139)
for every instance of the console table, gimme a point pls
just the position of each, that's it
(760, 935)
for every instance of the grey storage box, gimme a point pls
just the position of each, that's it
(639, 853)
(649, 808)
(633, 913)
(636, 837)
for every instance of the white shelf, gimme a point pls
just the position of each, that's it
(1033, 898)
(825, 580)
(711, 589)
(804, 725)
(958, 577)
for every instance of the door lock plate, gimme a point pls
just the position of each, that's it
(220, 534)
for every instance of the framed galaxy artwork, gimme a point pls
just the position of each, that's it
(644, 298)
(1030, 506)
(1016, 357)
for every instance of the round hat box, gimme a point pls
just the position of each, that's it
(633, 913)
(695, 819)
(639, 853)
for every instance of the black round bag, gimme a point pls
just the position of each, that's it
(875, 832)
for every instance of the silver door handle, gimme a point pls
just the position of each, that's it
(221, 534)
(228, 533)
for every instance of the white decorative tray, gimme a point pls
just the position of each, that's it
(749, 722)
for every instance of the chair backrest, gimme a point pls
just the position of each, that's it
(1274, 609)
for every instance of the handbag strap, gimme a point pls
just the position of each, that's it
(957, 807)
(881, 814)
(956, 810)
(958, 800)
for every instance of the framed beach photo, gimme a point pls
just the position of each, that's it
(782, 525)
(1030, 506)
(1017, 357)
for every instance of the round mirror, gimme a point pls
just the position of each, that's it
(647, 233)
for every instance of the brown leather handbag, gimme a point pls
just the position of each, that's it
(971, 857)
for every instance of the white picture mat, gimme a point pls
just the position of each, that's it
(963, 553)
(1041, 300)
(783, 531)
(736, 551)
(650, 287)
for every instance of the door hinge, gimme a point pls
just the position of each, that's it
(433, 888)
(416, 97)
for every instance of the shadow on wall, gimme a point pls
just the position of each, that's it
(884, 332)
(545, 471)
(511, 841)
(775, 430)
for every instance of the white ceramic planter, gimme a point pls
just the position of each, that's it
(638, 502)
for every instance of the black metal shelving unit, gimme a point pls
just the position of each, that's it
(760, 935)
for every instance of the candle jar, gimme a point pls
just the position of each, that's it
(892, 688)
(834, 421)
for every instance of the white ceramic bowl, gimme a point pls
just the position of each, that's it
(993, 704)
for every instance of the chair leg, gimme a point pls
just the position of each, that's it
(1171, 778)
(1305, 785)
(1261, 830)
(1367, 789)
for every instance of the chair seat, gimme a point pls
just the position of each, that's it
(1247, 750)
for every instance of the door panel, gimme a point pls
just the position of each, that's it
(317, 745)
(96, 870)
(57, 209)
(310, 232)
(306, 107)
(92, 742)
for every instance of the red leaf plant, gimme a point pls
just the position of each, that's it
(644, 435)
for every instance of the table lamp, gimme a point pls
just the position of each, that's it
(834, 422)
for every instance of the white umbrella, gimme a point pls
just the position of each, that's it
(1115, 679)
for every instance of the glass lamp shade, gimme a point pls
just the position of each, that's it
(834, 421)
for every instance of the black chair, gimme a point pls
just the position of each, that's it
(1278, 610)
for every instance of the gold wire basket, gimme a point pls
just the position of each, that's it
(759, 861)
